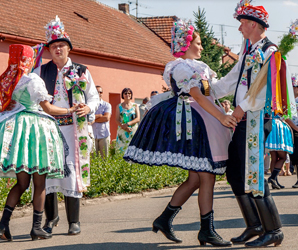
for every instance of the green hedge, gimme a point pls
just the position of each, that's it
(116, 176)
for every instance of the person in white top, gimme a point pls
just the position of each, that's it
(71, 84)
(260, 213)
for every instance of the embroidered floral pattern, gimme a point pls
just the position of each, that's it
(252, 159)
(252, 178)
(252, 141)
(253, 123)
(83, 145)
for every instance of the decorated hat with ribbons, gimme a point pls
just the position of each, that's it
(245, 10)
(55, 32)
(181, 37)
(19, 63)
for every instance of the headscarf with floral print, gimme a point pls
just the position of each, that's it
(19, 63)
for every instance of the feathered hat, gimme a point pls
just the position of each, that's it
(245, 10)
(55, 32)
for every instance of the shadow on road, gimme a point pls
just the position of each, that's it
(130, 246)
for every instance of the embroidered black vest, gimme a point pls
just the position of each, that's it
(267, 44)
(49, 75)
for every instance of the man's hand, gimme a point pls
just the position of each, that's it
(238, 113)
(83, 110)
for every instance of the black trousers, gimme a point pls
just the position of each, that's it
(236, 162)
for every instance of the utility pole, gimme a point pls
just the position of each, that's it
(222, 34)
(137, 4)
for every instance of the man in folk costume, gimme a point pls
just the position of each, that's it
(246, 149)
(71, 84)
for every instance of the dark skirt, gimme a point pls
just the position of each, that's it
(155, 142)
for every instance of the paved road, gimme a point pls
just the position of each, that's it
(125, 224)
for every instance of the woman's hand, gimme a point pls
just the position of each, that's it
(73, 108)
(228, 121)
(83, 110)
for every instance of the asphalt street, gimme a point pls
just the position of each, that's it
(124, 222)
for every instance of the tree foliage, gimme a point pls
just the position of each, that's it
(213, 51)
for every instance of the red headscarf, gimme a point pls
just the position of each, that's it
(19, 62)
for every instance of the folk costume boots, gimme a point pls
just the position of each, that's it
(4, 223)
(37, 232)
(271, 224)
(207, 233)
(251, 218)
(51, 211)
(72, 206)
(164, 223)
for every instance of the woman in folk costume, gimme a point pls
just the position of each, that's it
(280, 140)
(294, 125)
(70, 83)
(245, 170)
(182, 129)
(30, 141)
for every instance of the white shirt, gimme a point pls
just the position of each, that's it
(227, 85)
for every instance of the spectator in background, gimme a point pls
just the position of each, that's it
(153, 93)
(227, 107)
(101, 125)
(142, 108)
(127, 118)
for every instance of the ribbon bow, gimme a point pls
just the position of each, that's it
(78, 85)
(254, 60)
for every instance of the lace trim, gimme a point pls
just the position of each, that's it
(69, 193)
(171, 159)
(279, 147)
(37, 90)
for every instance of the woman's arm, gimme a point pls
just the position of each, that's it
(54, 110)
(123, 126)
(0, 108)
(291, 124)
(137, 119)
(226, 120)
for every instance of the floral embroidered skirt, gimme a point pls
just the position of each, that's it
(30, 143)
(154, 143)
(280, 137)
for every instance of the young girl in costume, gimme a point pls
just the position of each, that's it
(30, 141)
(185, 129)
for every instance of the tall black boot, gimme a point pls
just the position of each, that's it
(37, 232)
(51, 212)
(296, 184)
(271, 223)
(251, 218)
(4, 223)
(164, 223)
(207, 233)
(72, 206)
(273, 179)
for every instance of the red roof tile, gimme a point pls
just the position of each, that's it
(107, 30)
(160, 25)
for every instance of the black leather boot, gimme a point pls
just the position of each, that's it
(4, 223)
(37, 232)
(164, 223)
(251, 218)
(271, 223)
(51, 212)
(207, 233)
(72, 206)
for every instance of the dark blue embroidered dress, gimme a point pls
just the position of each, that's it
(174, 132)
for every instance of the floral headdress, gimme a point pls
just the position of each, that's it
(288, 41)
(55, 32)
(295, 80)
(19, 63)
(181, 37)
(244, 10)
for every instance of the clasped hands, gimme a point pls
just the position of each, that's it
(81, 109)
(126, 128)
(232, 120)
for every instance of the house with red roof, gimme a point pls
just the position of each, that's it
(119, 50)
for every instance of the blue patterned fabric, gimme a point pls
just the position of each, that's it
(280, 138)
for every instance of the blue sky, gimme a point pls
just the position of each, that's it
(219, 13)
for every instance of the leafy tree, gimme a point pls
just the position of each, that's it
(213, 51)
